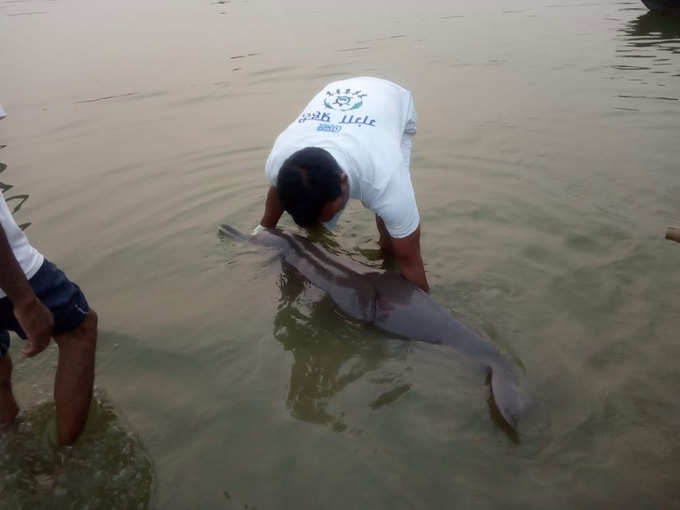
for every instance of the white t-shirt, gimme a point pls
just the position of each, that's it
(28, 257)
(366, 124)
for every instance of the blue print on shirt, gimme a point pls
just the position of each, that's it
(330, 119)
(329, 128)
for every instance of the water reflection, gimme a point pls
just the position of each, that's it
(657, 25)
(649, 57)
(648, 36)
(329, 352)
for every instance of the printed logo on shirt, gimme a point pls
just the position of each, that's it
(344, 100)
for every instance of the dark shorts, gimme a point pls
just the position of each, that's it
(63, 297)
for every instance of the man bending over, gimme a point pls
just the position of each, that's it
(353, 140)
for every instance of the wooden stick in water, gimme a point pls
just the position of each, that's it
(673, 233)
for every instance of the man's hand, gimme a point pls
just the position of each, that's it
(37, 322)
(34, 318)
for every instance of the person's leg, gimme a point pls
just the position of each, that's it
(75, 377)
(8, 406)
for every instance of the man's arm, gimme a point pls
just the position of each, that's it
(35, 319)
(407, 251)
(272, 209)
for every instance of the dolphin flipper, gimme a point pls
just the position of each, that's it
(505, 393)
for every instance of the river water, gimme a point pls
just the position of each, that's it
(546, 171)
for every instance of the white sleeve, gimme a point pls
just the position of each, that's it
(399, 210)
(271, 168)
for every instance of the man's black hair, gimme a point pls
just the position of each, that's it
(307, 181)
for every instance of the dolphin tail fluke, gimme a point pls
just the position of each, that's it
(506, 394)
(230, 231)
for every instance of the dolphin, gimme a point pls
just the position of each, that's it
(391, 303)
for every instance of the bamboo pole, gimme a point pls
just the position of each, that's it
(673, 233)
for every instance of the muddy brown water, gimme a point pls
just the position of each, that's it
(546, 171)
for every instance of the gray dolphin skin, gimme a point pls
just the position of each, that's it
(391, 303)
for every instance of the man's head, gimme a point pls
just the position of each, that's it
(311, 186)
